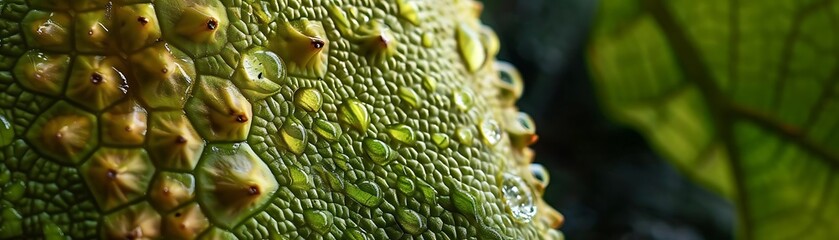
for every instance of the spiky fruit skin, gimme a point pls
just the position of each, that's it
(273, 119)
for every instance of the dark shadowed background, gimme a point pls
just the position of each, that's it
(605, 179)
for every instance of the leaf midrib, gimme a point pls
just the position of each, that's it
(724, 111)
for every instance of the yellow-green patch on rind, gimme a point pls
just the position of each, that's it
(64, 132)
(42, 72)
(164, 76)
(170, 190)
(97, 82)
(233, 182)
(198, 27)
(117, 176)
(303, 46)
(139, 221)
(375, 40)
(173, 141)
(137, 26)
(124, 124)
(48, 30)
(187, 222)
(219, 111)
(93, 32)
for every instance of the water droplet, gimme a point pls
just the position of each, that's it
(294, 136)
(440, 139)
(462, 100)
(464, 202)
(308, 99)
(471, 49)
(12, 222)
(300, 180)
(327, 130)
(411, 221)
(318, 220)
(405, 185)
(518, 197)
(409, 96)
(428, 193)
(490, 131)
(366, 193)
(354, 113)
(52, 231)
(428, 39)
(354, 234)
(429, 83)
(464, 135)
(378, 151)
(259, 74)
(7, 132)
(402, 133)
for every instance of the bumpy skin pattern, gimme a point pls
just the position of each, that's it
(262, 119)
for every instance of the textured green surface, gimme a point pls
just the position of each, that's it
(261, 119)
(741, 95)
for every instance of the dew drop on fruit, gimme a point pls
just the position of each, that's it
(518, 198)
(7, 133)
(490, 130)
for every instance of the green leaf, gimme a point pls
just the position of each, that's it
(740, 95)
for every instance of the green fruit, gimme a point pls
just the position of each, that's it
(240, 119)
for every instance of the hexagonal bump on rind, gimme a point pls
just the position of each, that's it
(233, 183)
(173, 143)
(117, 176)
(187, 222)
(124, 124)
(260, 74)
(218, 111)
(48, 30)
(198, 27)
(137, 26)
(171, 189)
(164, 76)
(64, 132)
(139, 221)
(42, 72)
(375, 40)
(92, 32)
(97, 82)
(303, 45)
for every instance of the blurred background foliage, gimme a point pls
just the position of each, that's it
(605, 178)
(682, 119)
